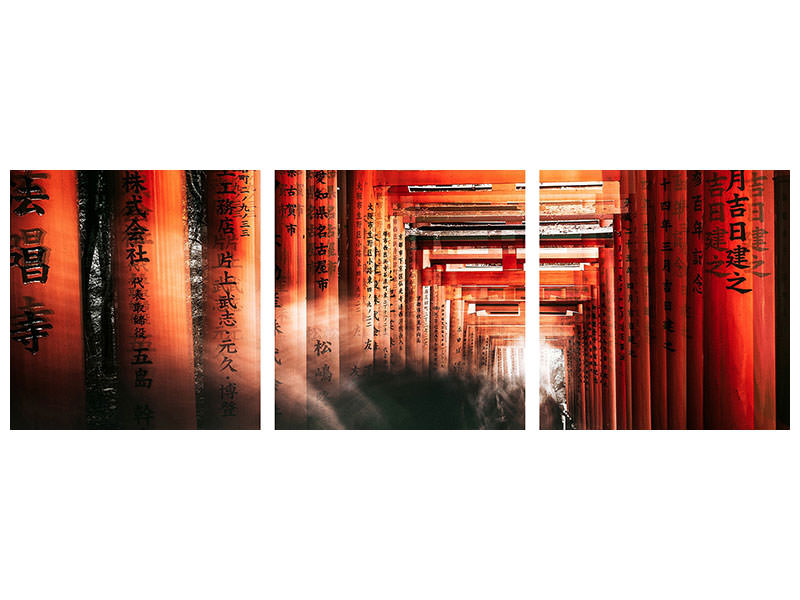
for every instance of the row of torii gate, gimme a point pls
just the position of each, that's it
(662, 291)
(395, 271)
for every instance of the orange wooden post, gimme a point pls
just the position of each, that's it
(675, 298)
(621, 308)
(639, 341)
(151, 282)
(369, 292)
(588, 401)
(442, 339)
(456, 359)
(290, 299)
(584, 397)
(414, 321)
(607, 337)
(47, 371)
(597, 353)
(439, 324)
(574, 380)
(762, 243)
(231, 361)
(694, 300)
(658, 221)
(322, 291)
(382, 280)
(398, 295)
(728, 294)
(361, 273)
(426, 328)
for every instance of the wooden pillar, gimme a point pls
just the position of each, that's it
(444, 330)
(639, 340)
(398, 295)
(456, 358)
(584, 398)
(485, 340)
(675, 298)
(608, 335)
(426, 329)
(383, 276)
(290, 300)
(621, 307)
(358, 347)
(597, 354)
(47, 368)
(439, 324)
(414, 327)
(694, 300)
(231, 361)
(323, 293)
(728, 295)
(762, 244)
(589, 367)
(471, 343)
(657, 203)
(573, 382)
(151, 284)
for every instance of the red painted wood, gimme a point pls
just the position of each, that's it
(322, 292)
(231, 352)
(728, 303)
(762, 243)
(151, 282)
(657, 220)
(694, 300)
(290, 299)
(357, 344)
(47, 372)
(640, 302)
(675, 298)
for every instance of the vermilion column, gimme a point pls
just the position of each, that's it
(621, 309)
(762, 243)
(590, 367)
(675, 299)
(485, 345)
(383, 274)
(361, 274)
(426, 328)
(322, 292)
(441, 339)
(231, 362)
(639, 341)
(398, 295)
(47, 371)
(471, 347)
(290, 300)
(583, 395)
(658, 215)
(151, 284)
(597, 353)
(626, 333)
(439, 327)
(456, 360)
(694, 300)
(573, 380)
(414, 327)
(608, 328)
(728, 294)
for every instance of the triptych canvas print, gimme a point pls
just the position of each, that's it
(399, 299)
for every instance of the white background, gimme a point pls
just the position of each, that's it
(433, 85)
